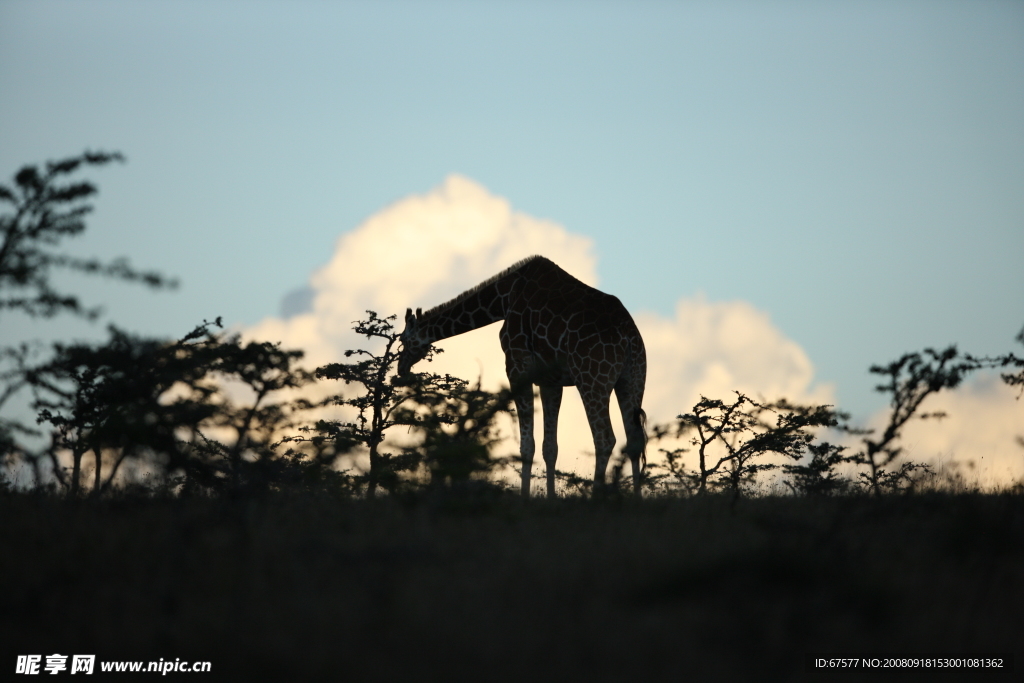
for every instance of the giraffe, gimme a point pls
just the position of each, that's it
(558, 332)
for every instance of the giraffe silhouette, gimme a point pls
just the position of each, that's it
(558, 332)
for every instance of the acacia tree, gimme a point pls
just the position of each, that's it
(377, 400)
(46, 207)
(164, 401)
(46, 210)
(1015, 380)
(909, 381)
(261, 369)
(817, 475)
(743, 432)
(456, 426)
(13, 362)
(105, 398)
(740, 429)
(1009, 360)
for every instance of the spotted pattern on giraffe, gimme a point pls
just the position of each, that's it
(557, 332)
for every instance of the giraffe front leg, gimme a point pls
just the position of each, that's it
(524, 411)
(551, 400)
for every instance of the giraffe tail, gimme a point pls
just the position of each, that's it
(640, 419)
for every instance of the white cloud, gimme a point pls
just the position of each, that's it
(712, 349)
(425, 249)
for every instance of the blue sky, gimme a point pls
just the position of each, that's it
(854, 169)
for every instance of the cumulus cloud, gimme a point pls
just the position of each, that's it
(712, 349)
(425, 249)
(420, 251)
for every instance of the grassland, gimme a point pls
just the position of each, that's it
(314, 587)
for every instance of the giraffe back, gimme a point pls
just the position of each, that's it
(561, 331)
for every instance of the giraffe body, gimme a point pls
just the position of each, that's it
(557, 332)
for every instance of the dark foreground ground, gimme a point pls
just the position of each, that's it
(310, 588)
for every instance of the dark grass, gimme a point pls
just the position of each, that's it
(313, 587)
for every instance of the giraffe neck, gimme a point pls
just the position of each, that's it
(469, 311)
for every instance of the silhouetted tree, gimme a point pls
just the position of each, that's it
(743, 431)
(908, 381)
(377, 401)
(13, 363)
(713, 421)
(456, 426)
(145, 398)
(260, 369)
(739, 428)
(1016, 380)
(106, 398)
(817, 475)
(45, 209)
(1009, 360)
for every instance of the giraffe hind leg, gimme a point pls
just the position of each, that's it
(633, 420)
(595, 402)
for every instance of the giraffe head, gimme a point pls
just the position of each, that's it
(415, 347)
